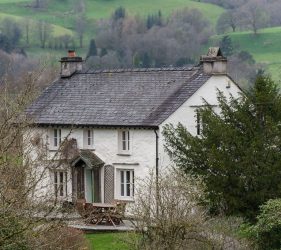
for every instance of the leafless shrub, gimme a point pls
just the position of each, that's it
(25, 162)
(60, 238)
(171, 218)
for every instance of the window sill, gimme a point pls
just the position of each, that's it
(124, 154)
(53, 149)
(126, 199)
(91, 149)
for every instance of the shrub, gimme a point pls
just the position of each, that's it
(267, 231)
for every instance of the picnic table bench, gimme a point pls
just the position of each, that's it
(102, 213)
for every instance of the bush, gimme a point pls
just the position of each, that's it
(59, 237)
(171, 218)
(267, 231)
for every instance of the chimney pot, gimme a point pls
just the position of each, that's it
(71, 53)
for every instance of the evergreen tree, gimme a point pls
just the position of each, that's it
(103, 52)
(146, 60)
(119, 13)
(154, 19)
(238, 155)
(5, 43)
(226, 46)
(92, 49)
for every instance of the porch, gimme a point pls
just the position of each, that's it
(92, 180)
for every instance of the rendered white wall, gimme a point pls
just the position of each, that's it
(186, 113)
(141, 158)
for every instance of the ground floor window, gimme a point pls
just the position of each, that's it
(60, 184)
(126, 183)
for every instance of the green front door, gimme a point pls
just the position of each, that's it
(89, 185)
(93, 187)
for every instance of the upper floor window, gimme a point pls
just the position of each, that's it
(124, 141)
(56, 137)
(88, 138)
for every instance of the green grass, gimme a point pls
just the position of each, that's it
(56, 29)
(107, 241)
(62, 12)
(265, 47)
(12, 1)
(101, 8)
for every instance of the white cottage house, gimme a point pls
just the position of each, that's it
(114, 119)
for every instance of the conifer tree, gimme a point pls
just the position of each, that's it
(238, 154)
(92, 49)
(226, 46)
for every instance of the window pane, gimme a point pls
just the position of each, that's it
(128, 140)
(128, 176)
(59, 135)
(55, 137)
(122, 183)
(89, 137)
(122, 176)
(124, 145)
(128, 190)
(55, 184)
(122, 190)
(61, 183)
(61, 177)
(55, 177)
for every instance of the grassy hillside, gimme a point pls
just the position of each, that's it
(265, 47)
(61, 12)
(56, 29)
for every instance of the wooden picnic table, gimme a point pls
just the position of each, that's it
(103, 213)
(99, 213)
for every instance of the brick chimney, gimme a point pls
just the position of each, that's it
(70, 64)
(214, 62)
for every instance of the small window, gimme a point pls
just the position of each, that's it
(60, 184)
(127, 183)
(124, 141)
(57, 137)
(88, 138)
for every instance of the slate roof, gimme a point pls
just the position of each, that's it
(136, 98)
(89, 158)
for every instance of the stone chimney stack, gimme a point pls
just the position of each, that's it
(70, 64)
(214, 62)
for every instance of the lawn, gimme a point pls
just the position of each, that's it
(265, 47)
(107, 241)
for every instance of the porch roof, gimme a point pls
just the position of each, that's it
(89, 158)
